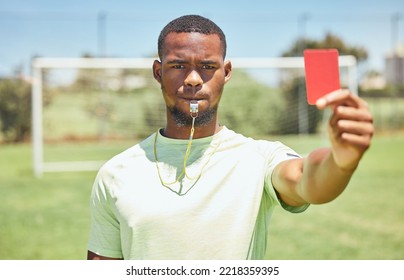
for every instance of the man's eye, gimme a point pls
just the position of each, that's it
(206, 66)
(178, 66)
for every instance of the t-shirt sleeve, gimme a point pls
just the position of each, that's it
(104, 239)
(277, 154)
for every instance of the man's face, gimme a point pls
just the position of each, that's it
(192, 68)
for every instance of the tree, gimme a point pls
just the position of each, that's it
(15, 109)
(329, 41)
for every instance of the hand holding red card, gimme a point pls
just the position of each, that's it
(322, 73)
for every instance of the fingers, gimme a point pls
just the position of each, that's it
(357, 133)
(359, 114)
(340, 97)
(353, 127)
(360, 141)
(351, 121)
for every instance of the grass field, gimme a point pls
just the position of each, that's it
(48, 218)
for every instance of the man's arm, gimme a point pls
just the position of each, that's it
(94, 256)
(325, 172)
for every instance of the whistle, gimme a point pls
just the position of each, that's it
(193, 107)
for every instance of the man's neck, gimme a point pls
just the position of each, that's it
(172, 130)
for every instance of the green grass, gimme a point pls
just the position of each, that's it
(41, 219)
(48, 218)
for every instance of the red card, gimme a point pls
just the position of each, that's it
(322, 73)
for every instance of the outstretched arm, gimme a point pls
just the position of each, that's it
(325, 172)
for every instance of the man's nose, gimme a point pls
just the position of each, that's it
(193, 79)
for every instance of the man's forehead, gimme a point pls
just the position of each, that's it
(190, 37)
(192, 42)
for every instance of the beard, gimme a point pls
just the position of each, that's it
(184, 119)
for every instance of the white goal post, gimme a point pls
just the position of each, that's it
(41, 64)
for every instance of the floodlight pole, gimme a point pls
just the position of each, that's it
(395, 18)
(303, 116)
(396, 73)
(102, 39)
(102, 34)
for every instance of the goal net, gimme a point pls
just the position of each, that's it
(80, 104)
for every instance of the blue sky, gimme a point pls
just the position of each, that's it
(253, 28)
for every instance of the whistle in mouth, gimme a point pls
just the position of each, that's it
(193, 106)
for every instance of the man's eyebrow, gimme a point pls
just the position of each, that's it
(176, 61)
(182, 61)
(209, 62)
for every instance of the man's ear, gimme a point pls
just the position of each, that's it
(157, 70)
(227, 70)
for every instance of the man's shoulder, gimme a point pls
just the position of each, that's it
(138, 151)
(269, 149)
(240, 139)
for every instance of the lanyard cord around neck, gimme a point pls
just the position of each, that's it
(194, 114)
(186, 157)
(193, 108)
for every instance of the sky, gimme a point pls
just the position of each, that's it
(129, 28)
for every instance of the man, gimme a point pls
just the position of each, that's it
(197, 190)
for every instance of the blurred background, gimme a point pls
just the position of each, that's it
(65, 109)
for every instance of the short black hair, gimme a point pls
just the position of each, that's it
(188, 24)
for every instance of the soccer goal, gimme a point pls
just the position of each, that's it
(92, 100)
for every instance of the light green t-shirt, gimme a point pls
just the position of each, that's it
(222, 214)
